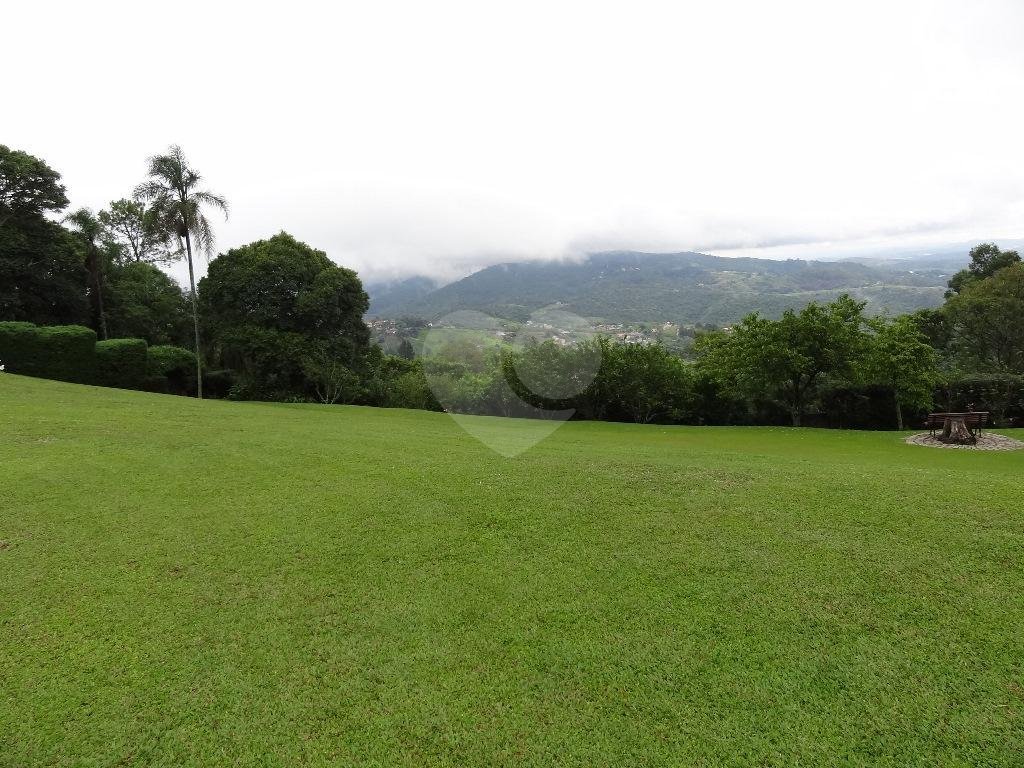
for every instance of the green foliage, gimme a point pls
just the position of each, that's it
(167, 360)
(29, 188)
(137, 233)
(88, 229)
(69, 352)
(177, 210)
(788, 359)
(690, 288)
(121, 363)
(900, 357)
(331, 379)
(273, 306)
(42, 271)
(143, 302)
(646, 383)
(65, 353)
(19, 348)
(218, 383)
(987, 318)
(170, 369)
(986, 261)
(175, 202)
(934, 324)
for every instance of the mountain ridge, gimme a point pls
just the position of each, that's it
(686, 287)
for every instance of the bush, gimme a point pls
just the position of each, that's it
(61, 352)
(861, 407)
(121, 363)
(19, 348)
(218, 384)
(157, 384)
(171, 369)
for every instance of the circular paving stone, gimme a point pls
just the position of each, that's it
(986, 442)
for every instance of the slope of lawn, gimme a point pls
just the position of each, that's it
(221, 584)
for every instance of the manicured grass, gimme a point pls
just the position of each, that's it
(215, 583)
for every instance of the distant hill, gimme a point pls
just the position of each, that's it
(687, 288)
(388, 297)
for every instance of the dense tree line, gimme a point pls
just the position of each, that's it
(278, 320)
(96, 270)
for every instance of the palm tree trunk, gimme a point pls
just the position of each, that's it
(195, 318)
(96, 275)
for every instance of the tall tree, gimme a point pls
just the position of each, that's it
(142, 302)
(987, 319)
(178, 207)
(89, 230)
(28, 186)
(900, 357)
(278, 310)
(787, 359)
(42, 274)
(135, 229)
(986, 260)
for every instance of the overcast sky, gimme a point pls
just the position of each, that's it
(435, 137)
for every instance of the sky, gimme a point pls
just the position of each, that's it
(439, 137)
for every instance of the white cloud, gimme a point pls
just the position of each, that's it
(436, 137)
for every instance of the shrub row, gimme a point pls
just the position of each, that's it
(121, 363)
(61, 352)
(72, 353)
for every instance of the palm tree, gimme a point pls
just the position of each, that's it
(89, 230)
(178, 205)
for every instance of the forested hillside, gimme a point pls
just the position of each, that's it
(631, 287)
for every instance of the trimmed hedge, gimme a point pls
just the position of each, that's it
(170, 369)
(19, 348)
(121, 363)
(61, 352)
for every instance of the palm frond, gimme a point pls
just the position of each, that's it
(174, 200)
(211, 200)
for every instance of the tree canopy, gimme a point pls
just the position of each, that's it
(272, 305)
(787, 359)
(28, 186)
(986, 260)
(987, 318)
(900, 357)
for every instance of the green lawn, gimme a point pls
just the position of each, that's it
(206, 584)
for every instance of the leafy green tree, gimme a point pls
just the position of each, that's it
(28, 186)
(934, 324)
(788, 359)
(986, 260)
(177, 205)
(644, 383)
(144, 303)
(136, 231)
(42, 272)
(987, 318)
(900, 357)
(272, 305)
(406, 350)
(89, 230)
(402, 384)
(332, 380)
